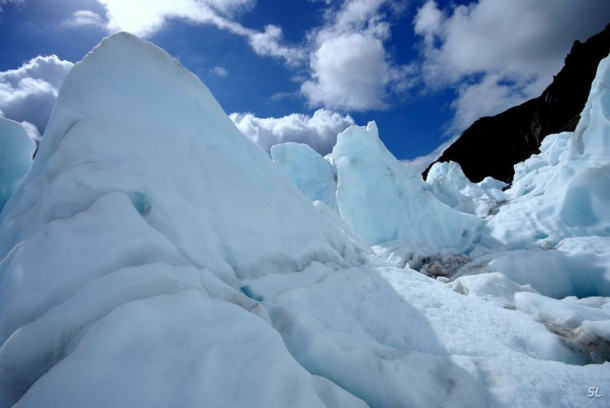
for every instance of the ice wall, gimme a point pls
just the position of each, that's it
(16, 150)
(309, 171)
(383, 201)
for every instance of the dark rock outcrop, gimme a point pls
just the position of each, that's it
(491, 146)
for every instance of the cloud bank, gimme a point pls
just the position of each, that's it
(28, 93)
(318, 130)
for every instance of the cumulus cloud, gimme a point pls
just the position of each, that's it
(428, 22)
(350, 67)
(28, 93)
(506, 50)
(318, 130)
(349, 72)
(82, 18)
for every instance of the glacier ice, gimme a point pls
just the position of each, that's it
(563, 192)
(555, 226)
(557, 273)
(16, 151)
(491, 286)
(382, 201)
(309, 171)
(450, 185)
(383, 204)
(584, 323)
(153, 256)
(135, 220)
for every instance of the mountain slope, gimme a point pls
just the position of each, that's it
(491, 146)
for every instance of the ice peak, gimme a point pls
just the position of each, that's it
(590, 139)
(372, 127)
(131, 119)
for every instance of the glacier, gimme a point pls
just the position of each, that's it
(450, 185)
(16, 152)
(382, 203)
(310, 172)
(153, 256)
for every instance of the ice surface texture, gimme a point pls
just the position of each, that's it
(564, 191)
(16, 150)
(377, 197)
(153, 256)
(450, 185)
(311, 173)
(146, 206)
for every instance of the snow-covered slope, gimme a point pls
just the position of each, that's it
(153, 256)
(16, 150)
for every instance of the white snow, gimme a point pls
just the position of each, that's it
(16, 150)
(585, 323)
(491, 286)
(578, 267)
(153, 256)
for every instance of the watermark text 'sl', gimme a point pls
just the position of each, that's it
(594, 392)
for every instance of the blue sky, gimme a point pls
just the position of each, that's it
(303, 70)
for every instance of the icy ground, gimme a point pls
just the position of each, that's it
(152, 256)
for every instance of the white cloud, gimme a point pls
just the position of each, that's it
(268, 43)
(28, 93)
(319, 130)
(350, 66)
(485, 98)
(506, 50)
(356, 13)
(428, 21)
(220, 71)
(83, 18)
(349, 72)
(144, 18)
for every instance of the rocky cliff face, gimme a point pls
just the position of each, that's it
(492, 145)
